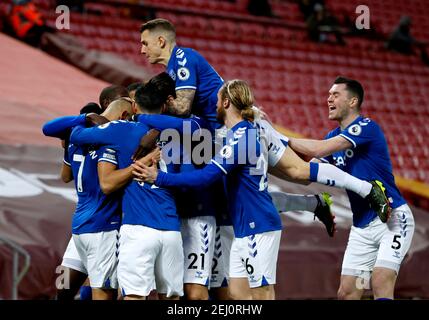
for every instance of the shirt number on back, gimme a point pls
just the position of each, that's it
(79, 158)
(261, 165)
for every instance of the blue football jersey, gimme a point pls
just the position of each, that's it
(142, 204)
(241, 160)
(191, 202)
(95, 211)
(368, 159)
(190, 70)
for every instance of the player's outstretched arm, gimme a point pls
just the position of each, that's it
(160, 121)
(183, 103)
(59, 127)
(96, 135)
(112, 179)
(319, 148)
(198, 178)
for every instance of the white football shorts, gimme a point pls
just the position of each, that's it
(71, 258)
(98, 252)
(379, 244)
(222, 250)
(255, 257)
(198, 235)
(149, 259)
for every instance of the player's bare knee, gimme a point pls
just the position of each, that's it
(383, 283)
(263, 293)
(345, 295)
(348, 293)
(196, 292)
(102, 294)
(341, 294)
(238, 294)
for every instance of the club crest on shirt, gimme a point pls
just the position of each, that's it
(355, 130)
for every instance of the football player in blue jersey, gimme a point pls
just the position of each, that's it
(71, 261)
(96, 220)
(151, 250)
(377, 244)
(243, 160)
(197, 83)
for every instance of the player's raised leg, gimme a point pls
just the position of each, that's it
(320, 204)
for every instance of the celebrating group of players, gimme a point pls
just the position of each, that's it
(159, 210)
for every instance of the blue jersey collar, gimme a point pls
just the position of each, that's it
(173, 54)
(359, 118)
(243, 123)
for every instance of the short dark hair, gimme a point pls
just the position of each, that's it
(164, 84)
(112, 93)
(142, 100)
(134, 86)
(158, 23)
(155, 92)
(91, 107)
(352, 86)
